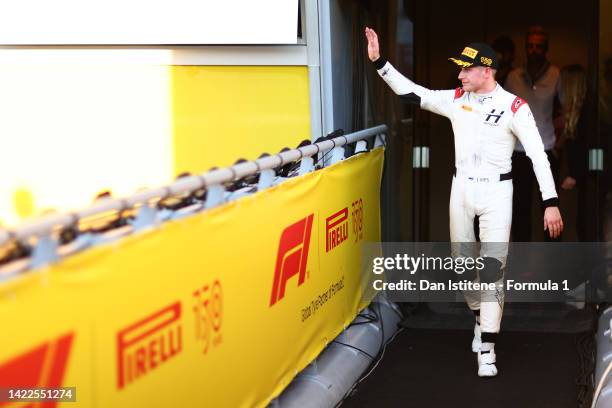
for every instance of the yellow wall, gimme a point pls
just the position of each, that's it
(221, 114)
(76, 124)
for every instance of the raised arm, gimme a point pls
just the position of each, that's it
(525, 129)
(439, 102)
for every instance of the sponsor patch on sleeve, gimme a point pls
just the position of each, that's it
(517, 103)
(459, 93)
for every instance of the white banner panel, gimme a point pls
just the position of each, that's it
(151, 22)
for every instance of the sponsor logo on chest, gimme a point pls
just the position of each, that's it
(493, 117)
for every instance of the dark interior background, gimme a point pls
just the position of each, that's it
(418, 36)
(449, 31)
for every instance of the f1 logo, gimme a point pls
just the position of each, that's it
(292, 256)
(43, 366)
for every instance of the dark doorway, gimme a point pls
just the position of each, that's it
(574, 39)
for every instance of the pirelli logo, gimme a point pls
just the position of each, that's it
(336, 229)
(148, 343)
(292, 256)
(469, 52)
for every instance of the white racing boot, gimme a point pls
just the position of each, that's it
(486, 364)
(476, 341)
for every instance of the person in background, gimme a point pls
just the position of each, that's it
(574, 137)
(538, 83)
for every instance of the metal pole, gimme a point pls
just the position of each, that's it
(46, 225)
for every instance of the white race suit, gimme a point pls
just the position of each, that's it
(486, 127)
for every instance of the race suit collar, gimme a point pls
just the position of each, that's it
(482, 98)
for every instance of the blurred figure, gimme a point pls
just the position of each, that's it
(574, 134)
(538, 83)
(504, 46)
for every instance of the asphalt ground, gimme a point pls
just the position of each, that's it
(436, 368)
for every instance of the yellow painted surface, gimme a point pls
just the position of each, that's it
(222, 113)
(75, 124)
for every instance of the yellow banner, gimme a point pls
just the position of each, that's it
(220, 309)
